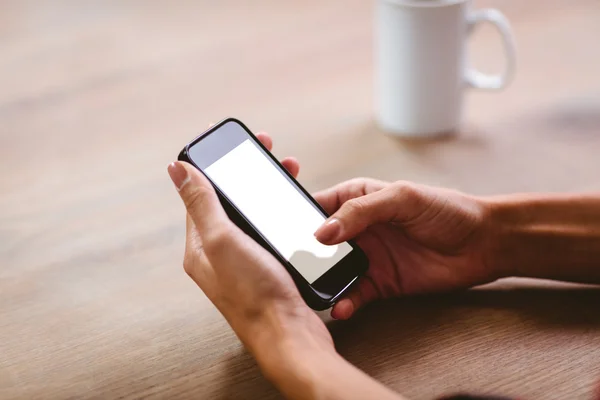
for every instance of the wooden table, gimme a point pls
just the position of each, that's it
(97, 97)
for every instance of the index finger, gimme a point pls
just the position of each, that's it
(332, 199)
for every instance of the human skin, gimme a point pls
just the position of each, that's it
(419, 239)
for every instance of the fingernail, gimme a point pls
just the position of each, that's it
(178, 175)
(328, 231)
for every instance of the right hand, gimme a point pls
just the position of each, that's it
(418, 239)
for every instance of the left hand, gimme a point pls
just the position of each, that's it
(259, 299)
(252, 290)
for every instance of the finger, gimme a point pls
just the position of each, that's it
(394, 203)
(292, 165)
(332, 199)
(265, 139)
(201, 202)
(360, 295)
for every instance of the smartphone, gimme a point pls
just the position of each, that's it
(269, 205)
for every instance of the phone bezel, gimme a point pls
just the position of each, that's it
(333, 283)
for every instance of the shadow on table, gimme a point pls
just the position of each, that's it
(404, 329)
(468, 136)
(408, 328)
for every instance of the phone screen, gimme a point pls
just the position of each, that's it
(267, 197)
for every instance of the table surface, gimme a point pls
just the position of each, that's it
(98, 97)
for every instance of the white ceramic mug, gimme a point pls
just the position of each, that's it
(421, 63)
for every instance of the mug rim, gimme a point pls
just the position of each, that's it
(424, 3)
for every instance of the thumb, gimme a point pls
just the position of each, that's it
(397, 203)
(200, 199)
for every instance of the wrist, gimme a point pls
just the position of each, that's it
(495, 231)
(502, 222)
(546, 236)
(290, 344)
(295, 352)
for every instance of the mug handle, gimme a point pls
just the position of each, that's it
(479, 80)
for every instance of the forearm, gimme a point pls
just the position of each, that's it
(304, 368)
(309, 374)
(547, 236)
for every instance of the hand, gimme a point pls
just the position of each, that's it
(248, 285)
(418, 239)
(260, 301)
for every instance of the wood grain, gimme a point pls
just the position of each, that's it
(97, 97)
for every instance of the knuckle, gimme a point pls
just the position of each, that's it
(404, 190)
(357, 181)
(218, 241)
(188, 266)
(196, 198)
(356, 206)
(363, 186)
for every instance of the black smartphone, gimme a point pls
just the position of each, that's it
(269, 205)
